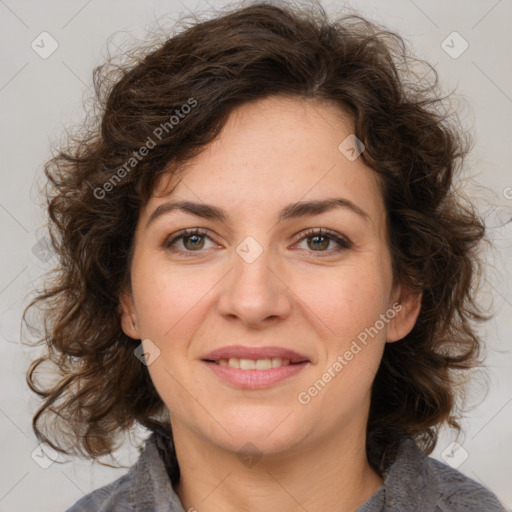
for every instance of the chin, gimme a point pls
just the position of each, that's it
(268, 430)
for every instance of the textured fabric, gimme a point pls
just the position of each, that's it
(413, 483)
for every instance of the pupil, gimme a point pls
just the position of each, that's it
(196, 238)
(322, 246)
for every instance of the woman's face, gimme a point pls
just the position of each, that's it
(259, 285)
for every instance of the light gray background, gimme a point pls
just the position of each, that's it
(39, 96)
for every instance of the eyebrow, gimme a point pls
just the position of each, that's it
(292, 211)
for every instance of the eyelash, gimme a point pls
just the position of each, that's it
(343, 243)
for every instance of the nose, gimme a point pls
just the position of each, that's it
(255, 293)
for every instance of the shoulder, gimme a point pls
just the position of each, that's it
(458, 492)
(146, 486)
(114, 496)
(417, 482)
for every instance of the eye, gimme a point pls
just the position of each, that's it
(318, 240)
(193, 240)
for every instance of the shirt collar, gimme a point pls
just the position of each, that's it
(152, 490)
(408, 483)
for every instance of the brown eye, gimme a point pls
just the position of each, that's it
(318, 240)
(188, 241)
(193, 242)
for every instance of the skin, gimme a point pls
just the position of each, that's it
(316, 301)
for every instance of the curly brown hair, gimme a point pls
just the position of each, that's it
(413, 142)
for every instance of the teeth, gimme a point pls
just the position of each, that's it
(247, 364)
(263, 364)
(254, 364)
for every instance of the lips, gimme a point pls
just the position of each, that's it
(255, 368)
(255, 353)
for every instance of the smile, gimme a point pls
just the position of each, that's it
(251, 364)
(253, 374)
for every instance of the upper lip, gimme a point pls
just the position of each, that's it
(241, 352)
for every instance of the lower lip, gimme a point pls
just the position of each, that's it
(255, 379)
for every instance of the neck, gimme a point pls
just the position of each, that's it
(330, 475)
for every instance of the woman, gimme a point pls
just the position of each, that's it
(263, 261)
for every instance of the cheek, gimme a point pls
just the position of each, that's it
(351, 305)
(343, 302)
(170, 305)
(168, 299)
(350, 346)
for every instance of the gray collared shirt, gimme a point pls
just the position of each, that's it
(413, 483)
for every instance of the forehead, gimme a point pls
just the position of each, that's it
(275, 151)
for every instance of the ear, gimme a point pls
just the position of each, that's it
(128, 315)
(407, 308)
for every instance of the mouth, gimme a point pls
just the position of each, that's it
(253, 364)
(254, 368)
